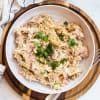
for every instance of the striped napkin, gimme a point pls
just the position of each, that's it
(8, 8)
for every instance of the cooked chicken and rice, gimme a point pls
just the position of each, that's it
(49, 52)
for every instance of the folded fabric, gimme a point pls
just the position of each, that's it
(10, 7)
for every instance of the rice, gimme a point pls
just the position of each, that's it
(48, 52)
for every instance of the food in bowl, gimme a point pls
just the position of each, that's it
(49, 52)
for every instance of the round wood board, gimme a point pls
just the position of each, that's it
(71, 94)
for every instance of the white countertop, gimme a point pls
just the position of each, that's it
(92, 8)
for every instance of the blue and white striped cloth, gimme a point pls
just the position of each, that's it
(10, 7)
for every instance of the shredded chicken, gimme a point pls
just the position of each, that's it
(48, 52)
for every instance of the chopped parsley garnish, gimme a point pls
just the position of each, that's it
(61, 37)
(40, 60)
(65, 23)
(71, 42)
(42, 36)
(40, 51)
(45, 38)
(45, 52)
(36, 43)
(49, 49)
(63, 60)
(53, 64)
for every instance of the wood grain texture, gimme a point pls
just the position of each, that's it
(72, 94)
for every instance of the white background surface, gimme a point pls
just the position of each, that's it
(92, 8)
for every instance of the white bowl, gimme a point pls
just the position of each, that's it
(61, 14)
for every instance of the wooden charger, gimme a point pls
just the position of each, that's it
(71, 94)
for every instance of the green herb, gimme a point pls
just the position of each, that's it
(65, 23)
(45, 38)
(49, 49)
(45, 52)
(61, 37)
(36, 43)
(53, 64)
(63, 60)
(40, 51)
(42, 36)
(71, 42)
(40, 60)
